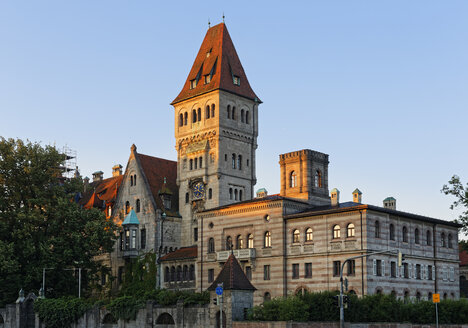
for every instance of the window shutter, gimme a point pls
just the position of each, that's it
(383, 268)
(433, 272)
(374, 262)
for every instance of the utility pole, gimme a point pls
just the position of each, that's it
(341, 278)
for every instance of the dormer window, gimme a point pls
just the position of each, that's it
(236, 80)
(193, 84)
(166, 201)
(207, 79)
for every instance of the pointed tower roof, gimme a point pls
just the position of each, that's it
(232, 276)
(131, 218)
(218, 61)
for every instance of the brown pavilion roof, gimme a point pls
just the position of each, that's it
(218, 59)
(232, 276)
(181, 254)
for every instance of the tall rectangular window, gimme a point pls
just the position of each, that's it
(418, 271)
(336, 268)
(210, 275)
(143, 238)
(393, 269)
(295, 271)
(308, 270)
(406, 270)
(195, 234)
(429, 272)
(351, 267)
(379, 267)
(266, 272)
(248, 272)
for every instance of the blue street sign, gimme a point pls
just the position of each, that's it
(219, 290)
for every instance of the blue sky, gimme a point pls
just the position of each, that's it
(380, 86)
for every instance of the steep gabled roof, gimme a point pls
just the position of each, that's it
(232, 276)
(182, 253)
(99, 191)
(157, 170)
(218, 59)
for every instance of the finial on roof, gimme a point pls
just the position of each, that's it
(209, 24)
(133, 148)
(223, 16)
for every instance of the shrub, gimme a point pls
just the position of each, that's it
(61, 312)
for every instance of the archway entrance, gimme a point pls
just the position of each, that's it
(165, 320)
(109, 321)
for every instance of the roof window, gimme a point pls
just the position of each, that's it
(193, 84)
(236, 80)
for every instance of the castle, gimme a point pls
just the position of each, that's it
(197, 211)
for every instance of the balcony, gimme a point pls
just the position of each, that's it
(240, 254)
(130, 253)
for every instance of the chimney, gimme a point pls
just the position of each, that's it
(389, 203)
(117, 170)
(335, 197)
(97, 176)
(357, 196)
(85, 183)
(262, 192)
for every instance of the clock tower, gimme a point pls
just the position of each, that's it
(216, 129)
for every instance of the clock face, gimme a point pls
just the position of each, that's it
(198, 190)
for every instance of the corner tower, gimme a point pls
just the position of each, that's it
(216, 132)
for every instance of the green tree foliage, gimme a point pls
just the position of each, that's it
(42, 227)
(455, 187)
(61, 312)
(373, 308)
(140, 275)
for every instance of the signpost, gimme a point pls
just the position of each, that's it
(219, 292)
(435, 300)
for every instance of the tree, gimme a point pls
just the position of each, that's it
(41, 226)
(455, 187)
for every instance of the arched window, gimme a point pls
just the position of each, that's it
(296, 237)
(230, 193)
(292, 179)
(192, 272)
(240, 195)
(207, 111)
(210, 193)
(267, 239)
(235, 194)
(138, 206)
(200, 161)
(199, 114)
(228, 243)
(185, 118)
(233, 112)
(186, 198)
(247, 117)
(228, 111)
(213, 110)
(109, 211)
(250, 241)
(442, 239)
(377, 229)
(134, 179)
(127, 207)
(416, 236)
(242, 115)
(194, 116)
(131, 180)
(405, 234)
(392, 231)
(181, 119)
(233, 161)
(428, 238)
(239, 242)
(350, 230)
(179, 273)
(173, 273)
(239, 162)
(336, 231)
(318, 179)
(195, 161)
(166, 274)
(185, 273)
(450, 245)
(309, 236)
(191, 164)
(211, 245)
(267, 297)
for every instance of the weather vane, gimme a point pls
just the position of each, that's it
(209, 23)
(223, 16)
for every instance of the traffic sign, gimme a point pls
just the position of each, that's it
(436, 298)
(219, 290)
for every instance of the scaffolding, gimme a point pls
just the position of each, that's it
(69, 165)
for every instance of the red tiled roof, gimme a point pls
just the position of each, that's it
(181, 254)
(155, 170)
(232, 276)
(463, 257)
(223, 60)
(99, 191)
